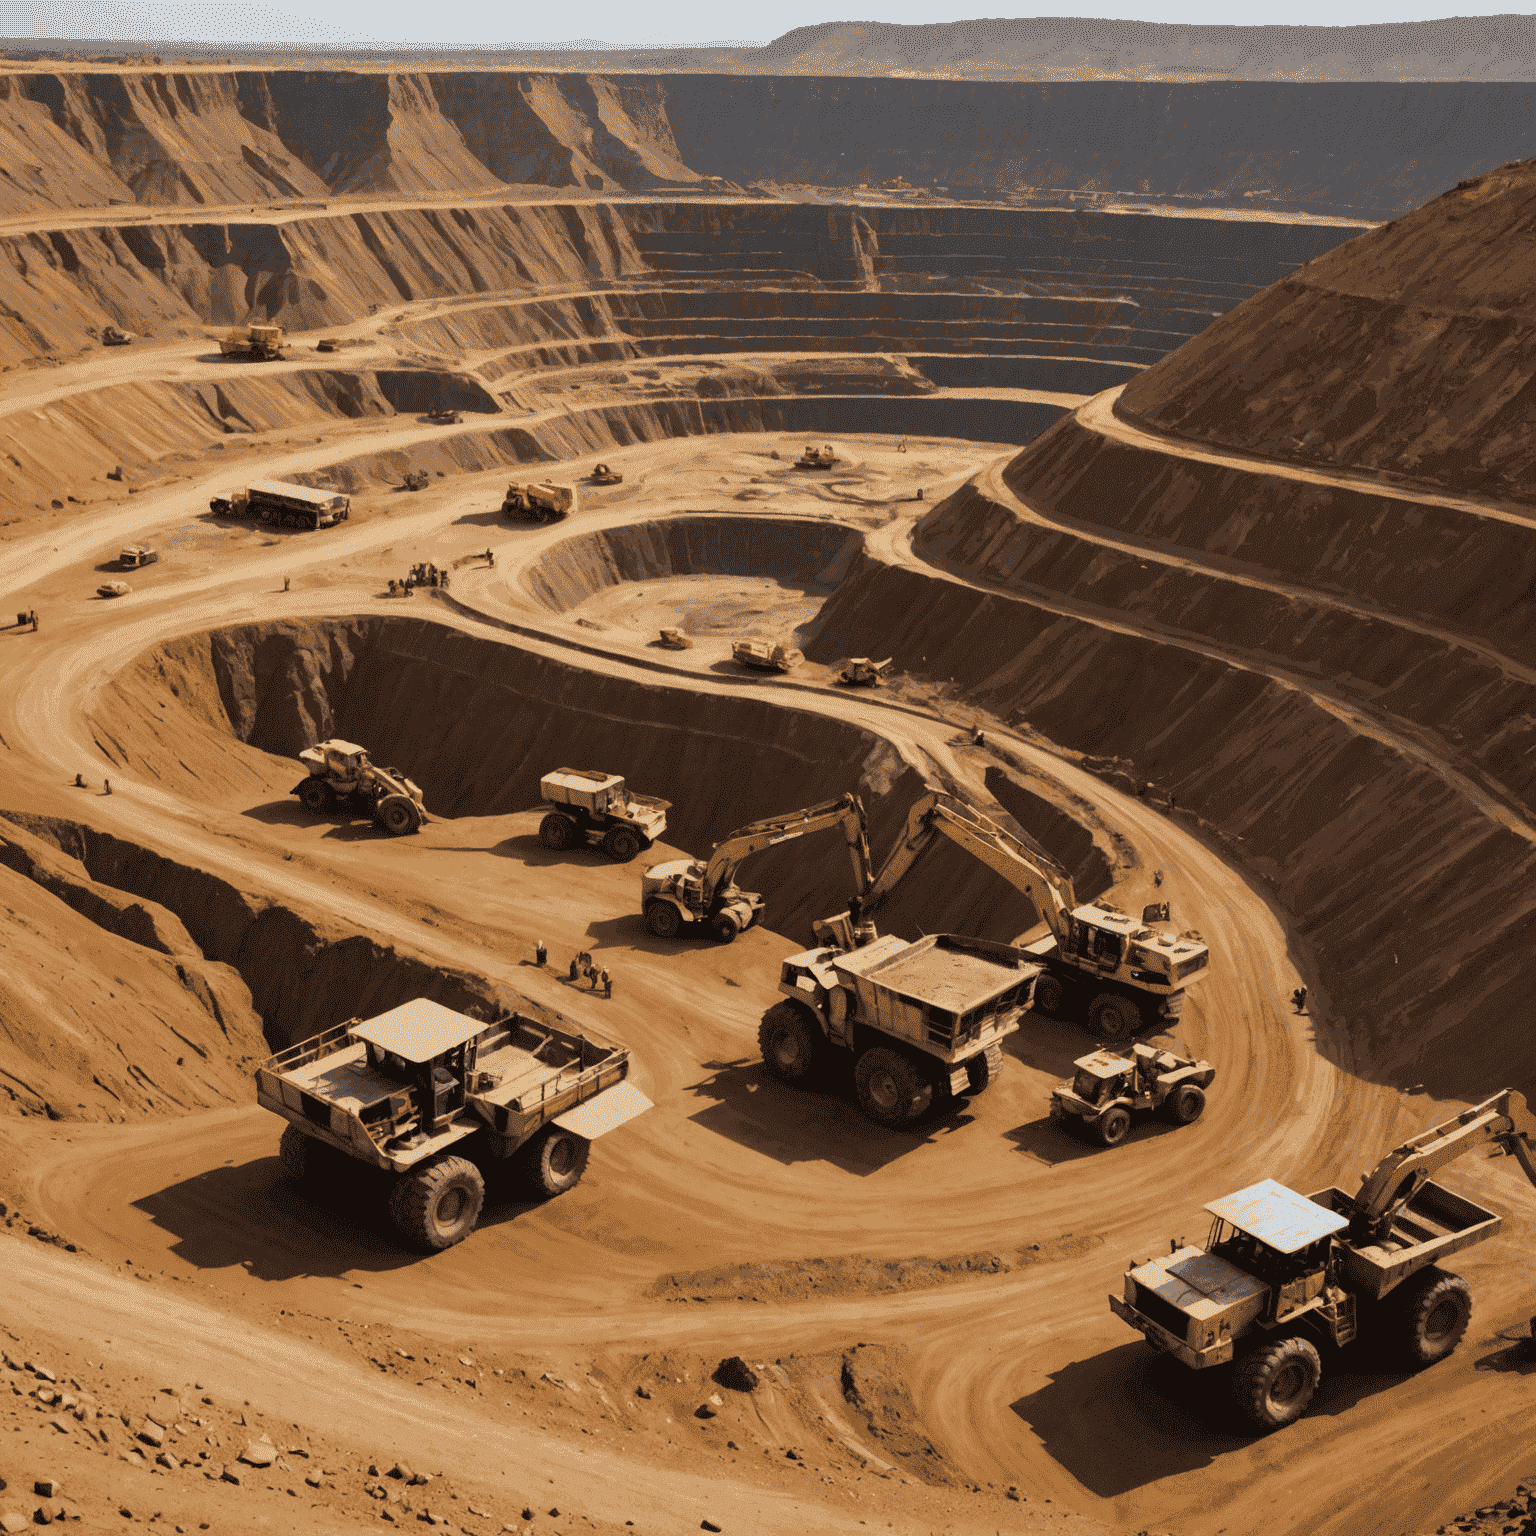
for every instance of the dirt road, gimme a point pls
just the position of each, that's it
(1021, 1378)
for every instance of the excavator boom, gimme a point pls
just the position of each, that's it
(1503, 1119)
(847, 813)
(936, 814)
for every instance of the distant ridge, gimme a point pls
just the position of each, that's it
(1042, 48)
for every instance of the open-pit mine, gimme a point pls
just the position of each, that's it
(1059, 553)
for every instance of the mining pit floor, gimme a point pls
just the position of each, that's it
(926, 1309)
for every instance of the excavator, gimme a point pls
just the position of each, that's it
(1282, 1273)
(684, 891)
(1102, 965)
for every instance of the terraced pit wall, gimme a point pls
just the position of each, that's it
(251, 136)
(477, 724)
(1365, 769)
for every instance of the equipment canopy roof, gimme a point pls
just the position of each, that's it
(1279, 1217)
(418, 1030)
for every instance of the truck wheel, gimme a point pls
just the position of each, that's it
(1272, 1386)
(791, 1042)
(978, 1074)
(724, 926)
(1112, 1016)
(663, 919)
(557, 1159)
(398, 815)
(1186, 1104)
(557, 831)
(303, 1157)
(1113, 1126)
(316, 796)
(621, 845)
(1433, 1310)
(1049, 994)
(436, 1206)
(889, 1087)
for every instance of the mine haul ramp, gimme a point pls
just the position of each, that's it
(1283, 1273)
(407, 1090)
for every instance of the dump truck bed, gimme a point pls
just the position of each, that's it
(524, 1074)
(1433, 1225)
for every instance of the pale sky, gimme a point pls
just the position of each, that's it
(618, 23)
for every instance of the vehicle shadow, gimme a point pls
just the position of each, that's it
(1517, 1355)
(632, 931)
(1048, 1044)
(822, 1123)
(254, 1217)
(280, 813)
(1132, 1416)
(481, 519)
(528, 847)
(1052, 1142)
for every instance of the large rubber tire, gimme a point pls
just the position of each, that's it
(621, 844)
(791, 1042)
(1113, 1126)
(317, 797)
(304, 1158)
(1432, 1311)
(1272, 1386)
(437, 1205)
(663, 919)
(557, 831)
(890, 1089)
(1113, 1016)
(1050, 995)
(398, 815)
(555, 1161)
(978, 1074)
(724, 926)
(1185, 1104)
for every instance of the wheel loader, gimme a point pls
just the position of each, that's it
(675, 640)
(583, 805)
(817, 458)
(1107, 1090)
(341, 777)
(112, 336)
(602, 474)
(1285, 1281)
(433, 1098)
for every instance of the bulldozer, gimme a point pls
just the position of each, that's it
(760, 656)
(415, 480)
(112, 336)
(539, 501)
(603, 475)
(257, 343)
(1286, 1279)
(1107, 1089)
(675, 640)
(1117, 974)
(817, 458)
(341, 777)
(685, 892)
(583, 805)
(444, 417)
(861, 672)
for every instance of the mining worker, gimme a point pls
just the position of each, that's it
(1173, 802)
(106, 786)
(442, 580)
(34, 621)
(286, 580)
(79, 781)
(607, 983)
(575, 970)
(1157, 877)
(978, 736)
(1299, 997)
(540, 954)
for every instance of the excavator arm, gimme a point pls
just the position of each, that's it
(937, 814)
(1397, 1178)
(846, 813)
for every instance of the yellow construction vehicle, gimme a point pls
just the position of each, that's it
(340, 776)
(259, 343)
(1283, 1274)
(760, 656)
(705, 891)
(1116, 973)
(862, 672)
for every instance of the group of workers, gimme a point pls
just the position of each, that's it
(581, 967)
(424, 574)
